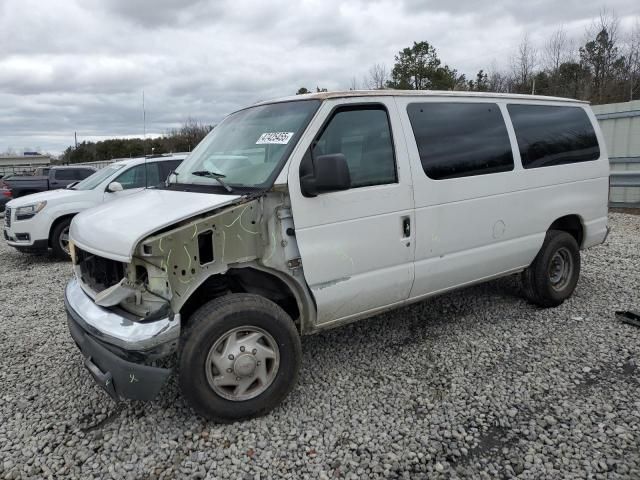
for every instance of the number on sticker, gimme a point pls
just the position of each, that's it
(280, 138)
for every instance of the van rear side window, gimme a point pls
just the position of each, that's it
(551, 135)
(460, 139)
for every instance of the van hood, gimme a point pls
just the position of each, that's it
(114, 229)
(49, 195)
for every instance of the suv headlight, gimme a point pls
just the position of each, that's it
(29, 211)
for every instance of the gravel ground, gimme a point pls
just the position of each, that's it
(473, 384)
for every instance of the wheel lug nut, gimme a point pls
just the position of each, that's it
(258, 362)
(242, 349)
(230, 357)
(254, 351)
(238, 378)
(229, 370)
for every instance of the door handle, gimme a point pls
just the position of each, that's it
(406, 227)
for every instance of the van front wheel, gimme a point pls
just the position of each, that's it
(239, 357)
(554, 273)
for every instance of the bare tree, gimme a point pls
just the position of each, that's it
(600, 54)
(497, 81)
(188, 135)
(607, 20)
(523, 64)
(557, 50)
(9, 151)
(353, 84)
(377, 77)
(631, 55)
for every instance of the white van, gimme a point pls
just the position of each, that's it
(308, 212)
(34, 223)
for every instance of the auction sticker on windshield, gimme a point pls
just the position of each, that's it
(281, 138)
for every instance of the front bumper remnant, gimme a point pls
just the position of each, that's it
(116, 348)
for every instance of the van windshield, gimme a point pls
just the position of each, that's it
(248, 148)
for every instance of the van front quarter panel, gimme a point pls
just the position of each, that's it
(182, 258)
(243, 248)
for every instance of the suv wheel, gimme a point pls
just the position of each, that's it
(60, 240)
(239, 357)
(554, 273)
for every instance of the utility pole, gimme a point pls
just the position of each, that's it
(75, 137)
(144, 126)
(533, 88)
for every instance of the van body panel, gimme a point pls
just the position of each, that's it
(352, 245)
(477, 226)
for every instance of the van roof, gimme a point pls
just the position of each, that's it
(419, 93)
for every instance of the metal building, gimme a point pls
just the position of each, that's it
(22, 163)
(620, 124)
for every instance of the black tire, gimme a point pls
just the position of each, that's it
(211, 322)
(56, 247)
(544, 282)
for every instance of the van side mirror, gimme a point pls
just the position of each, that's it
(325, 173)
(114, 187)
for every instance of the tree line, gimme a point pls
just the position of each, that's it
(183, 139)
(603, 68)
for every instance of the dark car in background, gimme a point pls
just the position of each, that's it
(5, 196)
(55, 177)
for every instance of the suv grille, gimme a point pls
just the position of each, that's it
(7, 217)
(98, 273)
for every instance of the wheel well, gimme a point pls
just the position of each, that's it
(570, 224)
(243, 280)
(57, 221)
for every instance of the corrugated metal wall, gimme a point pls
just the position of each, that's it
(620, 124)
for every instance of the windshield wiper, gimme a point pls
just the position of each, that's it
(216, 176)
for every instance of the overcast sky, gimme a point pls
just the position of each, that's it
(81, 65)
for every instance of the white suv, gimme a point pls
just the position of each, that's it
(34, 223)
(305, 213)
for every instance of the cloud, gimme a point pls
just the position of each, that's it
(81, 65)
(161, 13)
(530, 13)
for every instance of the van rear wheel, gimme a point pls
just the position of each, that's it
(554, 273)
(239, 357)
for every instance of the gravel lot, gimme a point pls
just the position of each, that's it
(473, 384)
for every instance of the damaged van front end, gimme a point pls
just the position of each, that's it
(123, 306)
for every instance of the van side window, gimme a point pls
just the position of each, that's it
(553, 135)
(363, 135)
(460, 139)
